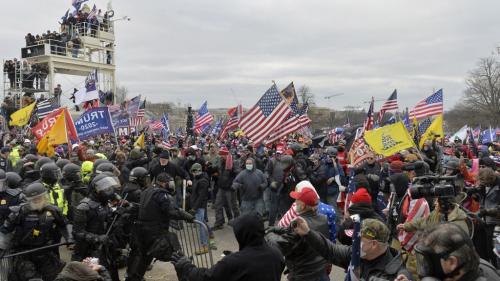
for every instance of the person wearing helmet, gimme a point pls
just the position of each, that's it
(91, 220)
(10, 195)
(74, 189)
(62, 162)
(151, 230)
(35, 224)
(87, 169)
(50, 175)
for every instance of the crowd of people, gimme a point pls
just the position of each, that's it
(117, 196)
(33, 76)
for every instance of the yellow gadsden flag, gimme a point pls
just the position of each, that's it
(388, 140)
(435, 129)
(56, 135)
(22, 116)
(140, 141)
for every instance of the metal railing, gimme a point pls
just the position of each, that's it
(189, 238)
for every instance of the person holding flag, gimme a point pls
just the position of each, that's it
(377, 259)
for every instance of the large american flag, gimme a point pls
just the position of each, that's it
(294, 121)
(203, 117)
(45, 107)
(433, 105)
(155, 125)
(269, 112)
(390, 104)
(418, 208)
(234, 114)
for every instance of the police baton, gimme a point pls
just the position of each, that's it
(116, 215)
(36, 250)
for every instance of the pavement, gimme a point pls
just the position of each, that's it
(224, 240)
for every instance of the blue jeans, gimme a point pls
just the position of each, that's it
(254, 205)
(200, 216)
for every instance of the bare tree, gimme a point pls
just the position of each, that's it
(121, 94)
(483, 89)
(305, 95)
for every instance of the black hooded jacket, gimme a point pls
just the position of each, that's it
(254, 261)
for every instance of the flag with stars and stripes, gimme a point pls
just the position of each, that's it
(390, 104)
(433, 105)
(154, 125)
(294, 121)
(368, 124)
(203, 118)
(420, 129)
(234, 114)
(269, 112)
(93, 14)
(45, 107)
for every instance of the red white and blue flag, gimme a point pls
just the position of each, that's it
(203, 118)
(234, 118)
(265, 116)
(432, 105)
(390, 104)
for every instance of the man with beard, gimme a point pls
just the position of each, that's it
(33, 225)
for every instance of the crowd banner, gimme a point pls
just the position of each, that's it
(388, 140)
(94, 122)
(42, 127)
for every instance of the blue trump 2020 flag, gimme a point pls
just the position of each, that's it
(93, 122)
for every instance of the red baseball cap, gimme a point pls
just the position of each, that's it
(361, 196)
(306, 195)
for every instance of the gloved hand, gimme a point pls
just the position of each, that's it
(187, 216)
(102, 239)
(179, 260)
(192, 212)
(342, 188)
(276, 229)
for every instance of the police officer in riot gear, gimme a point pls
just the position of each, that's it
(91, 221)
(74, 189)
(13, 180)
(35, 224)
(151, 230)
(9, 194)
(50, 175)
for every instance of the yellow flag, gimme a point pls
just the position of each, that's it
(140, 141)
(22, 116)
(58, 134)
(43, 145)
(435, 129)
(388, 140)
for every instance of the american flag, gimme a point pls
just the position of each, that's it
(420, 129)
(203, 117)
(433, 105)
(335, 135)
(294, 121)
(133, 105)
(93, 14)
(390, 104)
(78, 3)
(136, 120)
(269, 112)
(155, 125)
(234, 118)
(419, 208)
(142, 109)
(45, 107)
(368, 124)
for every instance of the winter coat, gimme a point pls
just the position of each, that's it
(387, 266)
(226, 177)
(457, 216)
(491, 200)
(199, 193)
(250, 184)
(255, 260)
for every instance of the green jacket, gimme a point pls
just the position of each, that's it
(457, 216)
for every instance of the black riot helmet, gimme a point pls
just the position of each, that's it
(42, 161)
(140, 176)
(62, 162)
(33, 190)
(50, 173)
(12, 179)
(72, 172)
(103, 187)
(97, 163)
(107, 167)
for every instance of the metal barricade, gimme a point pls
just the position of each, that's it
(189, 239)
(5, 266)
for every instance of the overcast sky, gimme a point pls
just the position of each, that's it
(228, 51)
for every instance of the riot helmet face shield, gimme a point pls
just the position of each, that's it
(38, 202)
(105, 188)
